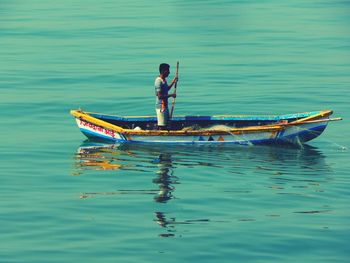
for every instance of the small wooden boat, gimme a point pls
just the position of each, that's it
(293, 128)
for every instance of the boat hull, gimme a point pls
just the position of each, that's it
(295, 134)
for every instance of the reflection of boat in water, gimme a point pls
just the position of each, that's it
(163, 162)
(293, 128)
(143, 157)
(171, 170)
(92, 156)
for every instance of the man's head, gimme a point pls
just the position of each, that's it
(164, 69)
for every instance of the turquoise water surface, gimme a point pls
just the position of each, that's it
(64, 199)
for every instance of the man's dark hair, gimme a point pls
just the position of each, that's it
(163, 67)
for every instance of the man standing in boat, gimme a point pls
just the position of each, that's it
(162, 88)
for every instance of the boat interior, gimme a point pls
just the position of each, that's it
(198, 122)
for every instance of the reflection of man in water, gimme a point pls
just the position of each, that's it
(164, 178)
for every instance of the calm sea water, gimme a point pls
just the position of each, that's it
(64, 199)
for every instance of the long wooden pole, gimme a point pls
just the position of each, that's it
(173, 103)
(312, 121)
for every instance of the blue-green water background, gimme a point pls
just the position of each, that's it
(60, 203)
